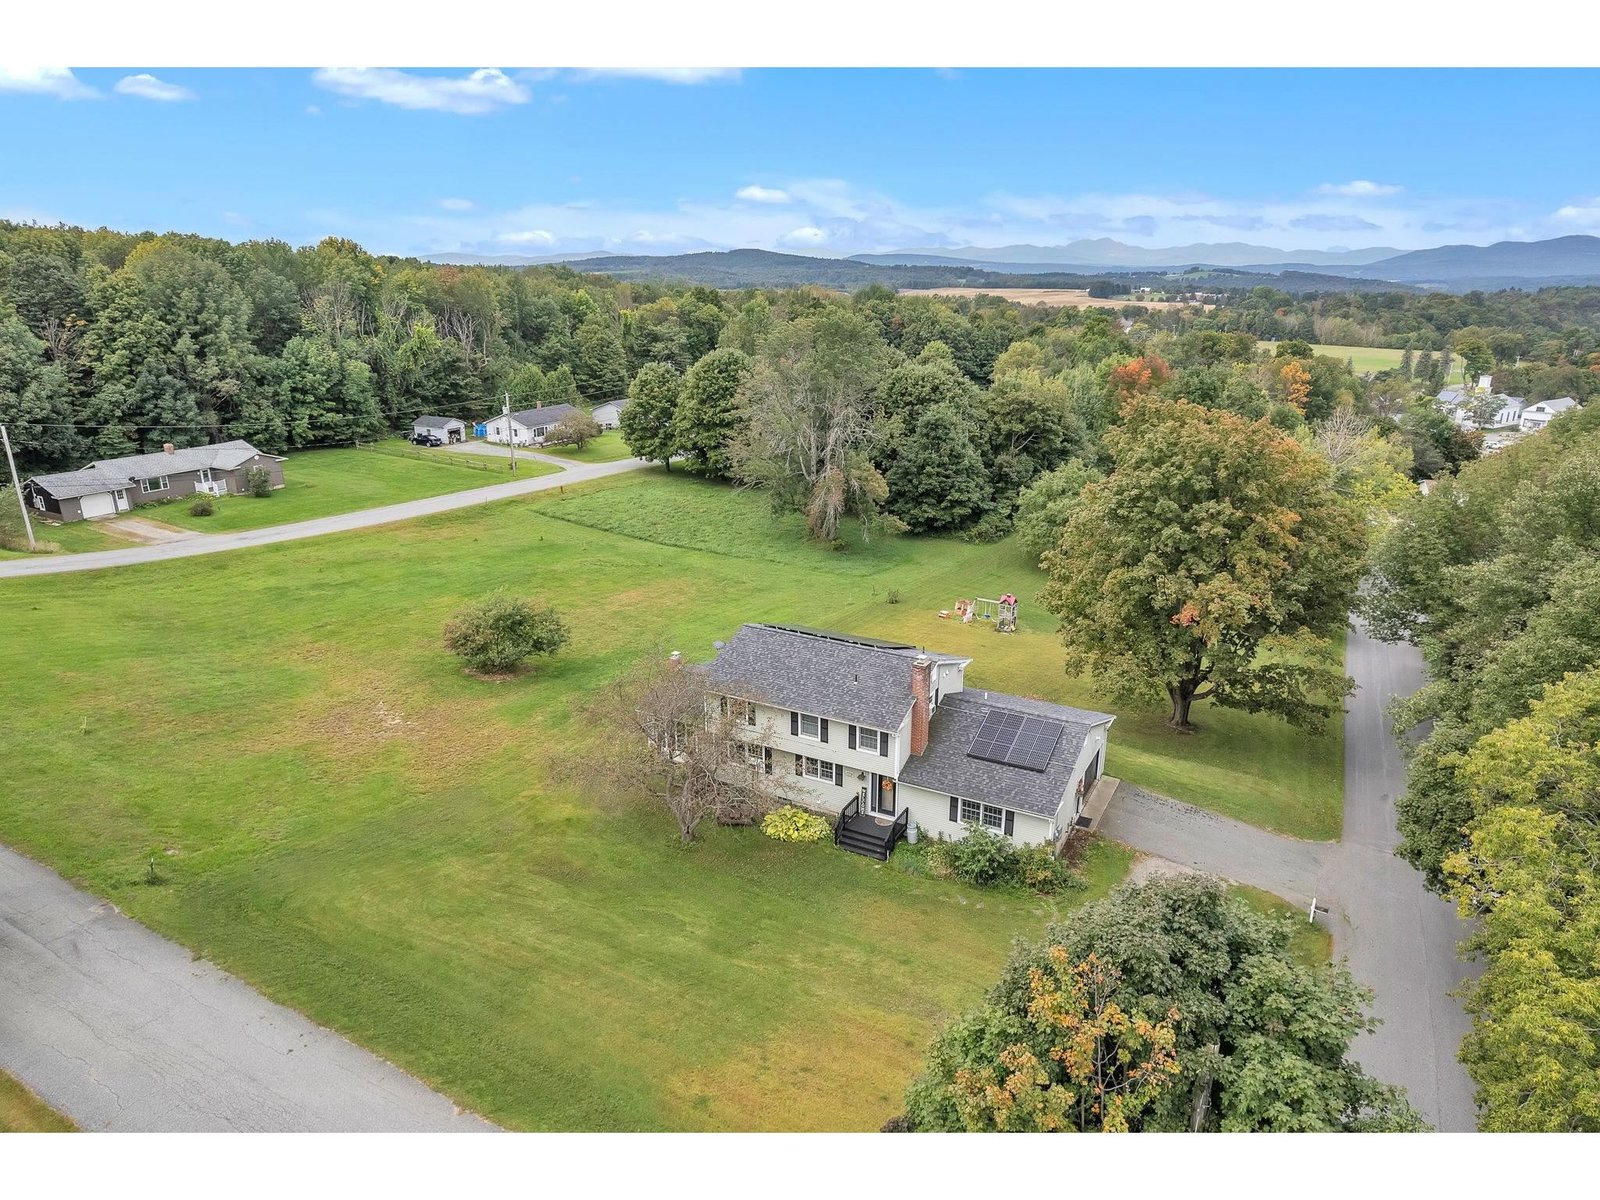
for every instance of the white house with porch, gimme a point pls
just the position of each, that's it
(1536, 416)
(887, 738)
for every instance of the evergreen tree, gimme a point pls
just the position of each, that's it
(1407, 364)
(598, 366)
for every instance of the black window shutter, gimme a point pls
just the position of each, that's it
(794, 724)
(838, 774)
(955, 809)
(1010, 821)
(723, 701)
(852, 737)
(822, 726)
(767, 755)
(883, 744)
(799, 765)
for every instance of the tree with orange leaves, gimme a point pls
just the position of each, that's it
(1138, 377)
(1215, 561)
(1294, 383)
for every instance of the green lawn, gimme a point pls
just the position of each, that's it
(23, 1112)
(1311, 945)
(1365, 358)
(320, 483)
(75, 537)
(608, 447)
(418, 859)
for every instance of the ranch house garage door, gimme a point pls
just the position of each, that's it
(100, 504)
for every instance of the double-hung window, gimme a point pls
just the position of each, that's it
(813, 768)
(869, 740)
(984, 814)
(810, 726)
(158, 484)
(755, 755)
(742, 711)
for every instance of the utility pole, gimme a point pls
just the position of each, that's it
(16, 486)
(511, 439)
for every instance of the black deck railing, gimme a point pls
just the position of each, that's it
(898, 829)
(849, 810)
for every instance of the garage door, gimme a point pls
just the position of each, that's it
(99, 505)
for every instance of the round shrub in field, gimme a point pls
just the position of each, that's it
(790, 824)
(202, 507)
(495, 634)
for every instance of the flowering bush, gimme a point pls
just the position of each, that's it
(790, 824)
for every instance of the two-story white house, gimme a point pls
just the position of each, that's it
(888, 738)
(526, 428)
(1536, 416)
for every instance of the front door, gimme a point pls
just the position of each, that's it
(883, 796)
(122, 500)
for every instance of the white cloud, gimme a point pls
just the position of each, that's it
(59, 82)
(456, 204)
(313, 111)
(483, 91)
(148, 87)
(527, 237)
(806, 235)
(1358, 188)
(763, 195)
(680, 75)
(1586, 213)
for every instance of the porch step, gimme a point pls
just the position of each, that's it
(867, 846)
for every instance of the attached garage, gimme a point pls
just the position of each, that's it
(99, 504)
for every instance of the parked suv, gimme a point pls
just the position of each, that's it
(427, 439)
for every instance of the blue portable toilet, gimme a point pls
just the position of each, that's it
(481, 429)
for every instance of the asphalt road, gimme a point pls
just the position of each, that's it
(120, 1029)
(1397, 937)
(1400, 939)
(213, 543)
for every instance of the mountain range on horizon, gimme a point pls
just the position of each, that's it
(1573, 260)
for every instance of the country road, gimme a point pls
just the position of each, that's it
(1398, 938)
(213, 543)
(121, 1029)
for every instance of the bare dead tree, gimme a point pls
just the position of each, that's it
(675, 740)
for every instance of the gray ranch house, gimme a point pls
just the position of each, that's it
(890, 740)
(526, 428)
(109, 486)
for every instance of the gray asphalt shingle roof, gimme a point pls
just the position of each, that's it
(856, 680)
(945, 766)
(108, 474)
(550, 414)
(437, 422)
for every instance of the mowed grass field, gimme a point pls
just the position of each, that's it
(419, 859)
(608, 447)
(320, 483)
(1364, 358)
(23, 1112)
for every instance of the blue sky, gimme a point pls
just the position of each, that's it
(506, 161)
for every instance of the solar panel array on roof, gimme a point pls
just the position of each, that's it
(1016, 740)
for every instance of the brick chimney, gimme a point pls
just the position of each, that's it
(921, 697)
(166, 448)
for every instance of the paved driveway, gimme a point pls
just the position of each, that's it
(495, 450)
(123, 1030)
(1397, 937)
(213, 543)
